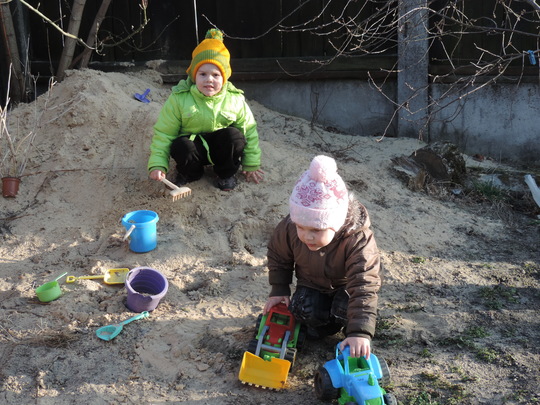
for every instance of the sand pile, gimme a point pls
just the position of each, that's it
(451, 268)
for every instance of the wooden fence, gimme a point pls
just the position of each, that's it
(254, 34)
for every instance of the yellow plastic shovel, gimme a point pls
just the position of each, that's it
(111, 276)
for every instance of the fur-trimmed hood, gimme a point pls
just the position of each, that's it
(357, 219)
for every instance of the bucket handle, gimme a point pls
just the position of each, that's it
(131, 228)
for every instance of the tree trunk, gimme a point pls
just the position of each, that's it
(93, 32)
(12, 53)
(69, 46)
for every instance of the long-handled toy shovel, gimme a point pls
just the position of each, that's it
(111, 276)
(109, 332)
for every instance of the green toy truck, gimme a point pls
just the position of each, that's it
(272, 352)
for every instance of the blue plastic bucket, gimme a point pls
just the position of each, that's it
(143, 237)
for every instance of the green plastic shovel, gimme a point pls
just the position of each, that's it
(109, 332)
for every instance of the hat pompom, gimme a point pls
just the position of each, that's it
(214, 33)
(323, 169)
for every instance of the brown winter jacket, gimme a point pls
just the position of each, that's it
(351, 260)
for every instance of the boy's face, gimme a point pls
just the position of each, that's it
(209, 80)
(314, 238)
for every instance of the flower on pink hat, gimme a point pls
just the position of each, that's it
(320, 198)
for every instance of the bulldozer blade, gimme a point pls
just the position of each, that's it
(261, 373)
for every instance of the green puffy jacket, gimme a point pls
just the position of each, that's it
(188, 112)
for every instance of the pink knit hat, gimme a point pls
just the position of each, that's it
(320, 198)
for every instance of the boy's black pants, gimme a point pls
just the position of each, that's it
(325, 313)
(225, 149)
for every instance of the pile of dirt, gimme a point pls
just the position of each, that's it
(458, 320)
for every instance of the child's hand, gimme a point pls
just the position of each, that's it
(157, 175)
(358, 346)
(255, 176)
(274, 301)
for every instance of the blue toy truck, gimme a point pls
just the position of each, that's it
(354, 380)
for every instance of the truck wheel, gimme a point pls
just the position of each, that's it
(252, 346)
(323, 385)
(390, 399)
(290, 355)
(258, 323)
(386, 378)
(302, 334)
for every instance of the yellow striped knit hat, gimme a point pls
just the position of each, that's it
(211, 50)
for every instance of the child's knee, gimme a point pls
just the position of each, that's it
(315, 308)
(310, 306)
(340, 303)
(183, 149)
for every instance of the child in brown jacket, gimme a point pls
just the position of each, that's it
(327, 243)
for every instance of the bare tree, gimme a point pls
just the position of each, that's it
(465, 49)
(12, 52)
(92, 35)
(71, 36)
(69, 46)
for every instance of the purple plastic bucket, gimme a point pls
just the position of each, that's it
(145, 288)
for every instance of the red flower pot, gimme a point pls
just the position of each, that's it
(10, 186)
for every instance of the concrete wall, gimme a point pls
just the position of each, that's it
(351, 106)
(501, 121)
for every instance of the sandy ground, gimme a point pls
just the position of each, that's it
(458, 321)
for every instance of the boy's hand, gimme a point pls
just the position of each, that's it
(255, 176)
(274, 301)
(157, 175)
(358, 346)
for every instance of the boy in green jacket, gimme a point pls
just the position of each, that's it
(206, 121)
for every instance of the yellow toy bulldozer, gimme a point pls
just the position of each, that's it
(271, 354)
